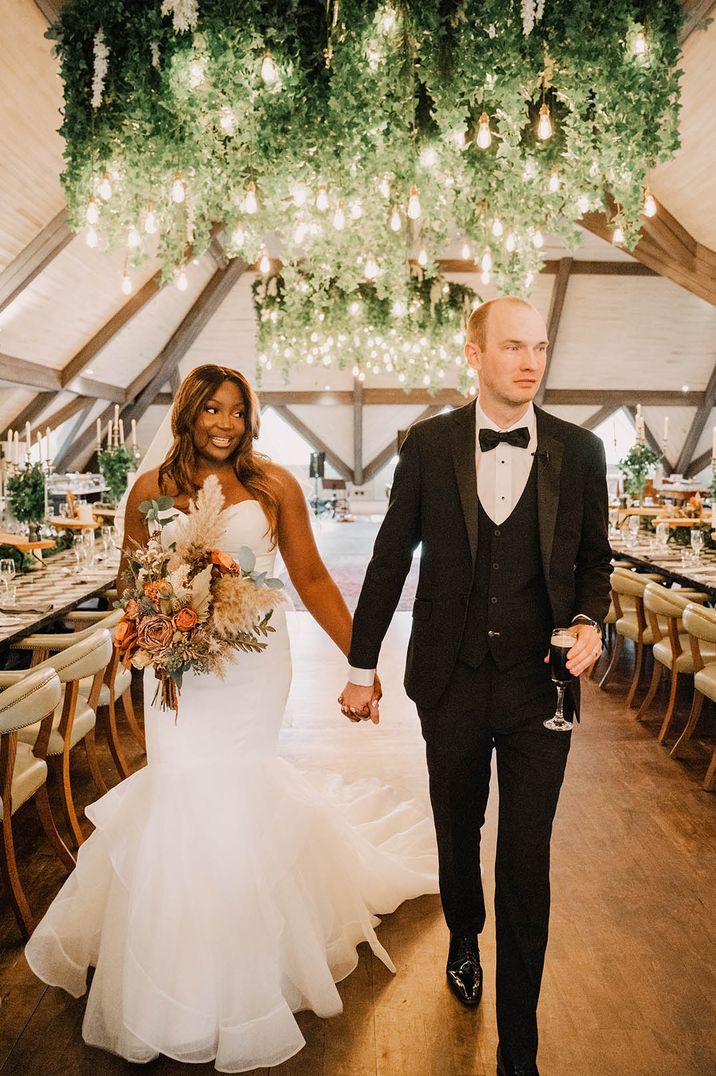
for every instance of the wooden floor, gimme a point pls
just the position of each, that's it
(630, 984)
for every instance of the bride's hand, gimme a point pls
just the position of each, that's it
(361, 703)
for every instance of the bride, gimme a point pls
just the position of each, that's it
(222, 891)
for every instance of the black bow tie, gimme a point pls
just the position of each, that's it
(490, 439)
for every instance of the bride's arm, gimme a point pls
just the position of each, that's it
(308, 573)
(135, 527)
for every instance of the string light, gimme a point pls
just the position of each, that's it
(196, 73)
(466, 251)
(538, 239)
(178, 189)
(388, 20)
(269, 71)
(339, 217)
(484, 134)
(251, 204)
(104, 190)
(554, 181)
(299, 194)
(322, 198)
(384, 187)
(497, 228)
(371, 270)
(638, 44)
(428, 158)
(182, 281)
(150, 222)
(126, 284)
(133, 239)
(486, 261)
(356, 210)
(91, 237)
(530, 170)
(485, 276)
(618, 235)
(583, 203)
(300, 232)
(458, 138)
(510, 243)
(265, 263)
(649, 209)
(238, 236)
(544, 125)
(395, 222)
(423, 257)
(92, 212)
(414, 208)
(227, 121)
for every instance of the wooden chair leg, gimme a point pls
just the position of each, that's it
(134, 727)
(671, 708)
(638, 667)
(8, 867)
(68, 803)
(42, 804)
(710, 778)
(115, 744)
(653, 688)
(616, 654)
(93, 762)
(691, 723)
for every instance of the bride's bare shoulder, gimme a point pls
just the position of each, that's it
(146, 488)
(284, 482)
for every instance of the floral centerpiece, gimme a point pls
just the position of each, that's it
(26, 496)
(635, 467)
(189, 605)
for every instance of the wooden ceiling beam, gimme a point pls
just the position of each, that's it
(73, 431)
(313, 440)
(697, 464)
(698, 424)
(696, 12)
(652, 441)
(31, 375)
(598, 417)
(62, 414)
(556, 306)
(50, 9)
(99, 390)
(29, 413)
(624, 397)
(551, 267)
(36, 256)
(383, 458)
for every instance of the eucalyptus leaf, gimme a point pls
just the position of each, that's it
(246, 559)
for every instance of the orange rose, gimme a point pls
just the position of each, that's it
(155, 633)
(185, 619)
(131, 610)
(125, 634)
(223, 561)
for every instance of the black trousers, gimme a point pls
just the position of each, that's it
(484, 709)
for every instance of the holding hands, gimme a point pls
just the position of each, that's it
(361, 703)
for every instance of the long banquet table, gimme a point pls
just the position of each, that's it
(59, 585)
(701, 576)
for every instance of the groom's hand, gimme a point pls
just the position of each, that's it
(361, 703)
(586, 650)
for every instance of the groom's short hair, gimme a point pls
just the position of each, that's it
(477, 322)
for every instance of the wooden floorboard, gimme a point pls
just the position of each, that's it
(630, 983)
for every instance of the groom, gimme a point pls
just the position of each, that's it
(509, 505)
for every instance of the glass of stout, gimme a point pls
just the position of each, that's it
(561, 643)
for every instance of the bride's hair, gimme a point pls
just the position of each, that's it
(250, 467)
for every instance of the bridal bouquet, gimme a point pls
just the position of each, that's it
(191, 606)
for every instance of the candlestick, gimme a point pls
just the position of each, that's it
(134, 433)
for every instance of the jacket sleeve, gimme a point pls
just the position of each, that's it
(397, 539)
(593, 567)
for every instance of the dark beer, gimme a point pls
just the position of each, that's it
(560, 645)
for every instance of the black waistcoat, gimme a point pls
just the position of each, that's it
(509, 613)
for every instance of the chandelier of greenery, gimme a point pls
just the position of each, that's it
(417, 335)
(358, 138)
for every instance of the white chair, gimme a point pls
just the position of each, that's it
(32, 697)
(700, 624)
(627, 588)
(75, 718)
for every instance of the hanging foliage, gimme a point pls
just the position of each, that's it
(358, 137)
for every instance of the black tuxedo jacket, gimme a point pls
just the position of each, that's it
(433, 503)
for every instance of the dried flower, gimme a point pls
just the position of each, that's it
(239, 606)
(185, 619)
(131, 609)
(155, 633)
(142, 659)
(223, 561)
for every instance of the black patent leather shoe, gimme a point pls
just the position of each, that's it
(505, 1067)
(464, 972)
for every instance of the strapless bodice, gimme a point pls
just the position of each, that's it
(246, 525)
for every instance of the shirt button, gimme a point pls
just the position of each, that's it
(497, 532)
(494, 601)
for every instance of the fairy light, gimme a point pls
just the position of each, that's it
(92, 212)
(649, 208)
(238, 237)
(544, 124)
(251, 204)
(339, 217)
(370, 272)
(485, 276)
(322, 198)
(484, 134)
(466, 252)
(423, 257)
(182, 281)
(269, 71)
(583, 203)
(639, 45)
(384, 187)
(497, 228)
(414, 208)
(428, 158)
(395, 222)
(126, 284)
(91, 237)
(299, 194)
(510, 243)
(227, 121)
(618, 235)
(356, 210)
(554, 181)
(265, 263)
(196, 73)
(178, 189)
(300, 232)
(150, 222)
(486, 261)
(458, 138)
(133, 239)
(104, 190)
(538, 239)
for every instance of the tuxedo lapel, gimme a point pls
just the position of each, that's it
(549, 469)
(463, 455)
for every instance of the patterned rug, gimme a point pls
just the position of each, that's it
(349, 576)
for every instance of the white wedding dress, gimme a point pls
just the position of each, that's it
(222, 890)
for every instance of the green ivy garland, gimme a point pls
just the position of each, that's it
(635, 468)
(26, 494)
(115, 463)
(370, 101)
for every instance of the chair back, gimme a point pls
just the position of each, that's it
(700, 623)
(86, 657)
(32, 699)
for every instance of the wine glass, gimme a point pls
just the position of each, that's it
(7, 572)
(561, 643)
(614, 522)
(697, 542)
(79, 549)
(106, 533)
(633, 525)
(663, 531)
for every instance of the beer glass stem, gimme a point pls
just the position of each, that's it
(559, 712)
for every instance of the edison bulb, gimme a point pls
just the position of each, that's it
(371, 268)
(650, 208)
(486, 260)
(428, 158)
(150, 222)
(238, 237)
(178, 189)
(466, 252)
(299, 194)
(300, 232)
(639, 43)
(91, 237)
(497, 228)
(196, 73)
(126, 285)
(227, 121)
(618, 235)
(395, 222)
(484, 134)
(92, 212)
(251, 204)
(544, 125)
(356, 210)
(485, 276)
(133, 239)
(269, 71)
(105, 187)
(265, 263)
(339, 217)
(414, 209)
(322, 198)
(458, 138)
(388, 20)
(538, 239)
(423, 257)
(554, 182)
(510, 243)
(384, 187)
(583, 203)
(182, 281)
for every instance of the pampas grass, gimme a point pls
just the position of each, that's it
(203, 528)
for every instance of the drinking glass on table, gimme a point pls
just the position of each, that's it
(7, 572)
(697, 542)
(89, 541)
(614, 522)
(561, 643)
(79, 548)
(663, 531)
(106, 533)
(633, 525)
